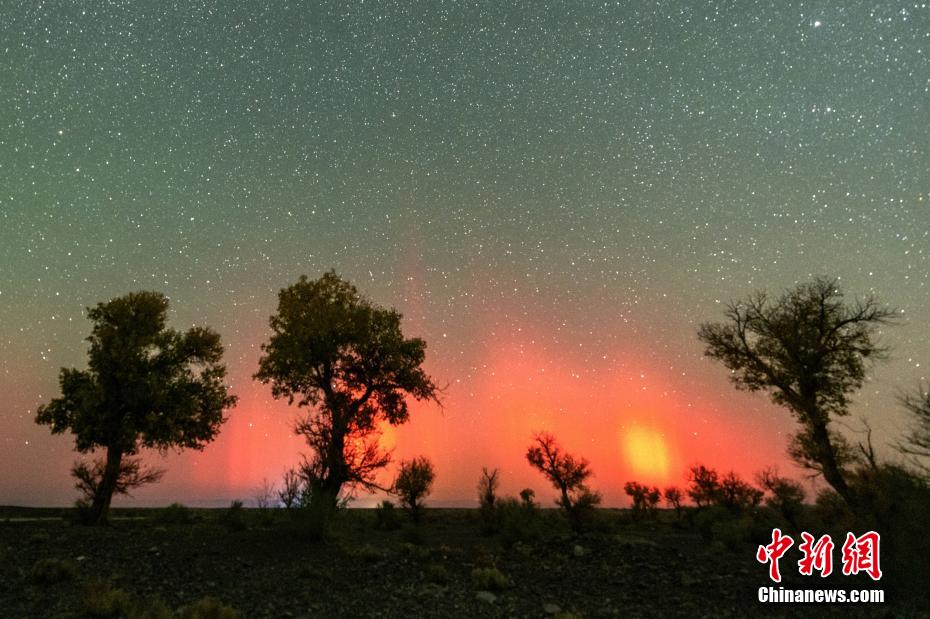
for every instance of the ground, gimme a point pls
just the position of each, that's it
(262, 565)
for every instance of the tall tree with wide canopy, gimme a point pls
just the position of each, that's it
(347, 361)
(146, 386)
(808, 349)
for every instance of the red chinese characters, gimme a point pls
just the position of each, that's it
(817, 555)
(860, 554)
(773, 552)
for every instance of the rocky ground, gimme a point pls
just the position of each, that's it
(154, 562)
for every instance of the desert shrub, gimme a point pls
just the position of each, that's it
(517, 521)
(150, 608)
(208, 608)
(568, 475)
(737, 495)
(489, 579)
(412, 534)
(386, 516)
(704, 484)
(176, 513)
(234, 516)
(437, 573)
(785, 496)
(527, 498)
(673, 498)
(414, 483)
(101, 599)
(53, 571)
(645, 498)
(368, 553)
(896, 502)
(487, 487)
(705, 520)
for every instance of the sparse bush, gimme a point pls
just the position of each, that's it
(437, 573)
(208, 608)
(101, 599)
(291, 489)
(414, 483)
(673, 499)
(527, 496)
(386, 516)
(487, 486)
(489, 579)
(234, 516)
(785, 496)
(568, 475)
(736, 494)
(53, 571)
(645, 498)
(704, 485)
(518, 521)
(176, 513)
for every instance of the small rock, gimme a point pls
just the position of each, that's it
(551, 609)
(580, 551)
(81, 558)
(486, 596)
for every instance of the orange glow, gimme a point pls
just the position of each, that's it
(646, 453)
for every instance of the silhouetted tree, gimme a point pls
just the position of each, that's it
(146, 386)
(785, 495)
(917, 442)
(527, 496)
(413, 484)
(567, 474)
(487, 486)
(344, 358)
(673, 499)
(736, 494)
(704, 485)
(807, 349)
(645, 498)
(292, 486)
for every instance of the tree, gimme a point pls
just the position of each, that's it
(645, 498)
(736, 494)
(917, 442)
(785, 495)
(808, 350)
(346, 361)
(146, 386)
(567, 474)
(414, 483)
(673, 498)
(487, 486)
(705, 485)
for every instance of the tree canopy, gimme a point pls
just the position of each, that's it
(146, 386)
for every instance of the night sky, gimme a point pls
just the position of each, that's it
(554, 195)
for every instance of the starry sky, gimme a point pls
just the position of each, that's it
(554, 194)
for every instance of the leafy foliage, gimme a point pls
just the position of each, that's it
(346, 360)
(808, 350)
(414, 483)
(567, 474)
(146, 386)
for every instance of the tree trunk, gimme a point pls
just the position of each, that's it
(832, 472)
(324, 497)
(100, 508)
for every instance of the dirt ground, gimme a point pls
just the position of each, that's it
(261, 565)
